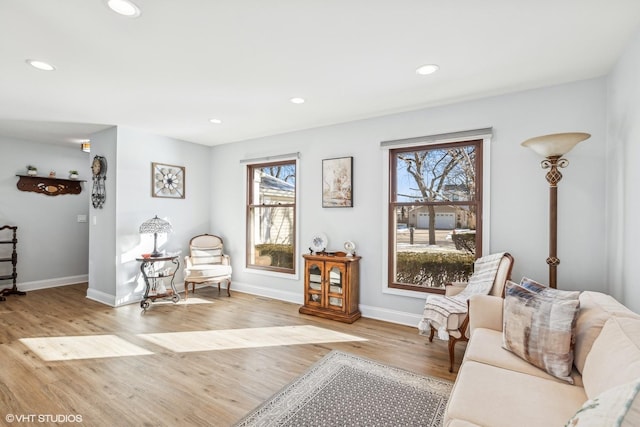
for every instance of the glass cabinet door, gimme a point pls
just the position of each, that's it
(335, 280)
(314, 290)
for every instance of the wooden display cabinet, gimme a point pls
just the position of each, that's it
(331, 287)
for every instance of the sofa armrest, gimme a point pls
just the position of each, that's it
(451, 289)
(226, 260)
(485, 311)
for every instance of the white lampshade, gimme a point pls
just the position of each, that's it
(156, 225)
(556, 144)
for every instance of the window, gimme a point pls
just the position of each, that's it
(435, 214)
(271, 214)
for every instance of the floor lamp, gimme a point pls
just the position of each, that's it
(553, 147)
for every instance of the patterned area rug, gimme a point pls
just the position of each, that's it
(346, 390)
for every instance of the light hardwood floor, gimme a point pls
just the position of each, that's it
(205, 388)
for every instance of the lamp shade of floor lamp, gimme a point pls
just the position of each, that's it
(553, 147)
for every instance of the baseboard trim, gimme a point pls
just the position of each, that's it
(101, 297)
(51, 283)
(378, 313)
(388, 315)
(267, 292)
(371, 312)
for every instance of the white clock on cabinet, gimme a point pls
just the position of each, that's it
(350, 247)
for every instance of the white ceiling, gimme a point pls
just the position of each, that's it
(183, 62)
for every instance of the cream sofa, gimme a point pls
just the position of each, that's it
(496, 388)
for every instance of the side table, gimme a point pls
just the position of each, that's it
(154, 272)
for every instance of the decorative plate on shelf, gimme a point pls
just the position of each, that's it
(319, 242)
(350, 247)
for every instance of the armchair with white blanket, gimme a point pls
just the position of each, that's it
(447, 314)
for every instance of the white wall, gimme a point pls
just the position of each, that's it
(215, 196)
(519, 192)
(129, 203)
(623, 175)
(52, 245)
(102, 239)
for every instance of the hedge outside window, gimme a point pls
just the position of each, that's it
(435, 205)
(271, 213)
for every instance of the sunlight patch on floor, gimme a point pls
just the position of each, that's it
(82, 347)
(181, 342)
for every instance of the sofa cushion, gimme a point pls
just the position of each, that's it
(485, 347)
(490, 396)
(460, 423)
(539, 329)
(206, 255)
(595, 309)
(546, 291)
(618, 406)
(614, 358)
(209, 270)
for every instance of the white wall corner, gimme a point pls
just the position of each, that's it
(102, 297)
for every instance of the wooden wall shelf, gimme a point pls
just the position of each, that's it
(49, 186)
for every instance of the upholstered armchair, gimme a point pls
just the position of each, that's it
(489, 278)
(206, 263)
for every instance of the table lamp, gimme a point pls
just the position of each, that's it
(154, 226)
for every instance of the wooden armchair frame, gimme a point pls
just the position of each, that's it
(206, 252)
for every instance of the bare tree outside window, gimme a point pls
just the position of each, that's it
(434, 207)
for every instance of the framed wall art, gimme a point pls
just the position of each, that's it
(167, 181)
(337, 183)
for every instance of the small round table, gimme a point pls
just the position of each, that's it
(154, 276)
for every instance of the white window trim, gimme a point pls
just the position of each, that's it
(486, 197)
(245, 166)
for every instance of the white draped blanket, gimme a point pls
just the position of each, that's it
(438, 309)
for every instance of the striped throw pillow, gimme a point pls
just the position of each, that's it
(540, 329)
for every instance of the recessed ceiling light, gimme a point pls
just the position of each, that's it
(124, 7)
(297, 100)
(215, 121)
(40, 65)
(427, 69)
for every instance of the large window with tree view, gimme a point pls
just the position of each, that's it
(271, 214)
(435, 214)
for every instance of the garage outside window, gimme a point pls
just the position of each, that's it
(435, 210)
